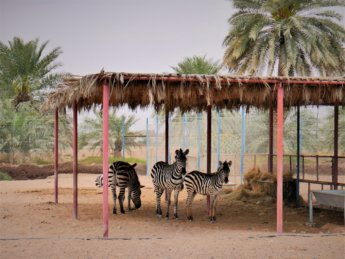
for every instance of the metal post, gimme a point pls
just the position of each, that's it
(56, 155)
(123, 136)
(147, 146)
(218, 139)
(156, 137)
(270, 140)
(184, 131)
(336, 135)
(243, 142)
(75, 160)
(209, 129)
(298, 154)
(199, 138)
(166, 136)
(106, 91)
(280, 139)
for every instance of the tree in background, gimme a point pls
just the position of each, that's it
(24, 70)
(292, 37)
(92, 132)
(197, 65)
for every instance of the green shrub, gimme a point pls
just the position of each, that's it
(5, 176)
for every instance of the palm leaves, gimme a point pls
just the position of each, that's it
(289, 37)
(24, 70)
(92, 128)
(197, 65)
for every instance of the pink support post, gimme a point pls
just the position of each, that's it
(106, 91)
(280, 138)
(56, 154)
(75, 161)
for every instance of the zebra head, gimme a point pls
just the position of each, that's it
(224, 168)
(99, 181)
(181, 160)
(136, 191)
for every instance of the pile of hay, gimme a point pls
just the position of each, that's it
(258, 186)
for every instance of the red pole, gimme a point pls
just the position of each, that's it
(106, 91)
(75, 161)
(280, 138)
(209, 129)
(56, 154)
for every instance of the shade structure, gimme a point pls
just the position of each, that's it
(195, 93)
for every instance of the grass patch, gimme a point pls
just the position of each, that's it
(40, 161)
(98, 160)
(5, 176)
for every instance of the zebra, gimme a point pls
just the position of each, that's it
(123, 175)
(169, 178)
(206, 184)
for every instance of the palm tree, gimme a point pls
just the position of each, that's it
(197, 65)
(92, 128)
(24, 69)
(287, 37)
(193, 65)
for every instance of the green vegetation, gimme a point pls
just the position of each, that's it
(98, 160)
(286, 38)
(5, 176)
(92, 128)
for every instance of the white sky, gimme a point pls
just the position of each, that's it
(120, 35)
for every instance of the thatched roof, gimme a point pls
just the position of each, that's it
(195, 92)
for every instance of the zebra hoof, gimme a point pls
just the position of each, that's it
(123, 212)
(190, 218)
(175, 216)
(159, 215)
(114, 211)
(212, 219)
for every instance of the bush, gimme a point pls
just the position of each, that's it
(5, 176)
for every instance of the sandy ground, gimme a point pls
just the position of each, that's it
(32, 226)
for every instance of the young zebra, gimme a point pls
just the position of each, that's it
(169, 178)
(123, 175)
(206, 184)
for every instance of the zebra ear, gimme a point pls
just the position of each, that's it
(230, 163)
(134, 165)
(176, 151)
(142, 186)
(186, 152)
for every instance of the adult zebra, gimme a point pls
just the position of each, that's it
(123, 175)
(169, 178)
(206, 184)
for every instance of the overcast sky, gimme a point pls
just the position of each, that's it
(120, 35)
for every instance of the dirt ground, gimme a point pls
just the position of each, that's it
(32, 226)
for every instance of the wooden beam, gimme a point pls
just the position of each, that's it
(106, 91)
(75, 160)
(280, 139)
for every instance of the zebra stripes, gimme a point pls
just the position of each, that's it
(123, 175)
(206, 184)
(169, 178)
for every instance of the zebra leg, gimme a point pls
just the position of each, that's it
(190, 197)
(113, 190)
(168, 192)
(176, 193)
(129, 198)
(213, 208)
(159, 192)
(121, 199)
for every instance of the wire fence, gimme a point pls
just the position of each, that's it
(239, 136)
